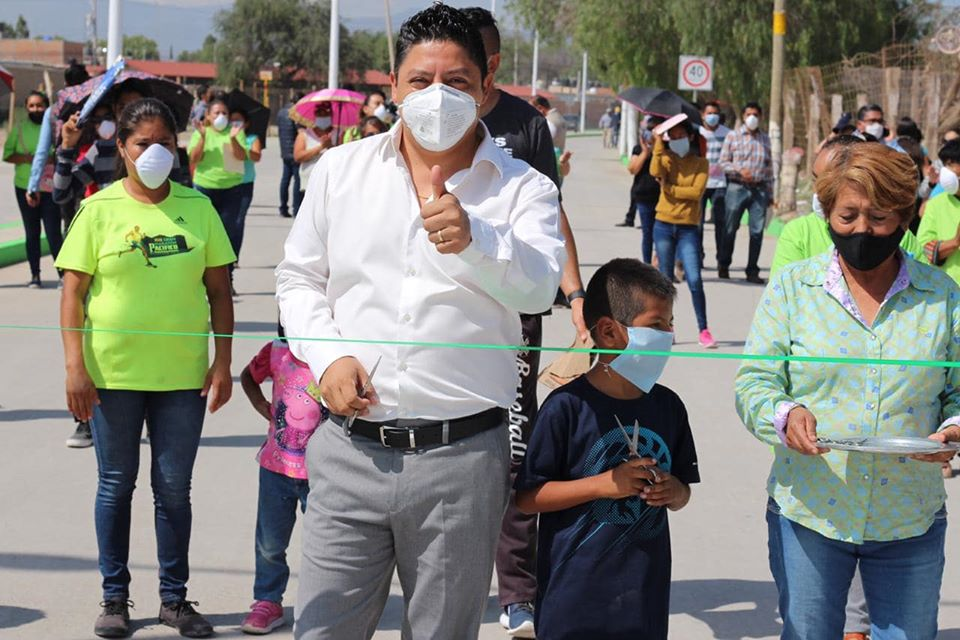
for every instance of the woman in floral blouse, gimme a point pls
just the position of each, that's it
(830, 510)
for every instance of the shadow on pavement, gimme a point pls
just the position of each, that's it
(729, 607)
(232, 441)
(943, 634)
(11, 617)
(247, 326)
(19, 415)
(392, 617)
(53, 562)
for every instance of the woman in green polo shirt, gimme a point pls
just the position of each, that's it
(145, 267)
(19, 150)
(218, 152)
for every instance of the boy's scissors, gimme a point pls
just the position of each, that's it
(348, 423)
(632, 442)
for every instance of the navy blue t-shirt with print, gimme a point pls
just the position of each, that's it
(603, 568)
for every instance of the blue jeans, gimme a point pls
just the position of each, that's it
(228, 203)
(901, 580)
(176, 420)
(683, 241)
(246, 200)
(717, 199)
(277, 505)
(291, 170)
(755, 200)
(648, 214)
(46, 213)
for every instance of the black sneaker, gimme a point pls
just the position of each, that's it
(723, 273)
(285, 214)
(114, 619)
(624, 224)
(81, 438)
(181, 615)
(35, 282)
(753, 278)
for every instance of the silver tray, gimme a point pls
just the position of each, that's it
(893, 446)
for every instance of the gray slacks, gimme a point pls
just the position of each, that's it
(858, 619)
(432, 514)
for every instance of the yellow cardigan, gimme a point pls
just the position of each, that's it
(682, 183)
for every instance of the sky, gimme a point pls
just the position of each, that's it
(183, 24)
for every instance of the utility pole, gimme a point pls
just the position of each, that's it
(516, 57)
(114, 34)
(92, 31)
(493, 7)
(390, 51)
(583, 95)
(536, 62)
(334, 44)
(776, 92)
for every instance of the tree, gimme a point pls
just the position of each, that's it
(367, 50)
(207, 53)
(140, 48)
(638, 43)
(21, 30)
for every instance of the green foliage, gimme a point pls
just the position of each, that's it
(637, 42)
(17, 30)
(207, 53)
(140, 48)
(365, 50)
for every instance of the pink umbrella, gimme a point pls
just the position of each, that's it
(344, 105)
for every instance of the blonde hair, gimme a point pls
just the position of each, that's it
(887, 177)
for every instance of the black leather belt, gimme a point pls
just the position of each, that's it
(415, 434)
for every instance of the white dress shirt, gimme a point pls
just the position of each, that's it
(358, 265)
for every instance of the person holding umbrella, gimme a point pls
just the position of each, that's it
(676, 233)
(218, 151)
(313, 142)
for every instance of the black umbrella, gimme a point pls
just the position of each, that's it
(258, 113)
(660, 102)
(170, 93)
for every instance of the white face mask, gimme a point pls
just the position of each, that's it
(106, 129)
(875, 129)
(324, 122)
(949, 181)
(383, 114)
(439, 116)
(817, 207)
(154, 165)
(752, 122)
(236, 123)
(220, 122)
(680, 147)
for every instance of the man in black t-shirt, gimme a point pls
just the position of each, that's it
(522, 132)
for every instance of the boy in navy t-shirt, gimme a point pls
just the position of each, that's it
(603, 567)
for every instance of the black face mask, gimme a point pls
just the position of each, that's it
(864, 251)
(36, 117)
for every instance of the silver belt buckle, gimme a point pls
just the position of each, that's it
(411, 433)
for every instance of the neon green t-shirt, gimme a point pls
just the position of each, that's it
(940, 220)
(218, 169)
(809, 236)
(23, 139)
(147, 263)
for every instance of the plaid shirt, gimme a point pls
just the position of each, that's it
(745, 150)
(715, 138)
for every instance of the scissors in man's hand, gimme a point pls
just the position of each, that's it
(348, 423)
(632, 442)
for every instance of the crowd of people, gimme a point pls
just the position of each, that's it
(442, 465)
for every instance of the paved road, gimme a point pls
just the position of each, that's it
(48, 572)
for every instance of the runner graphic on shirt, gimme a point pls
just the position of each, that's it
(154, 246)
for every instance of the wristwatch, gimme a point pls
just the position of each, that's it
(579, 293)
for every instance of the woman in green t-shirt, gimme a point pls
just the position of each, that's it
(218, 151)
(19, 150)
(145, 267)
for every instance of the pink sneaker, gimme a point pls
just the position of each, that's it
(264, 617)
(706, 340)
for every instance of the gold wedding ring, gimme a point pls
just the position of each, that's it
(440, 236)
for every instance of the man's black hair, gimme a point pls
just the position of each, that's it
(908, 127)
(619, 289)
(441, 23)
(75, 74)
(950, 152)
(866, 108)
(37, 94)
(374, 92)
(841, 141)
(712, 103)
(540, 101)
(751, 105)
(484, 21)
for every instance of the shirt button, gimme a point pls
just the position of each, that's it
(866, 477)
(873, 371)
(403, 367)
(873, 337)
(411, 272)
(405, 318)
(869, 405)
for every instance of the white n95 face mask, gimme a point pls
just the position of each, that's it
(949, 181)
(106, 129)
(154, 166)
(439, 116)
(752, 122)
(875, 129)
(220, 122)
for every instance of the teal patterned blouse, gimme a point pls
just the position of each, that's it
(807, 310)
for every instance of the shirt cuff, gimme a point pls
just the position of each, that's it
(67, 155)
(485, 242)
(949, 422)
(780, 419)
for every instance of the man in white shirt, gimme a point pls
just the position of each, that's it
(426, 234)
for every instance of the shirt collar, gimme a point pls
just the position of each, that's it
(487, 152)
(826, 272)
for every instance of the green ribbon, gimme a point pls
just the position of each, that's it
(697, 355)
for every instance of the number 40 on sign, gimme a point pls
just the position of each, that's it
(695, 73)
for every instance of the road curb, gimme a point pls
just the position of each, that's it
(15, 251)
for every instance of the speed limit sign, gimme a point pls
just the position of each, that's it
(695, 73)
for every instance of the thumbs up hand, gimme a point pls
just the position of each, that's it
(446, 223)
